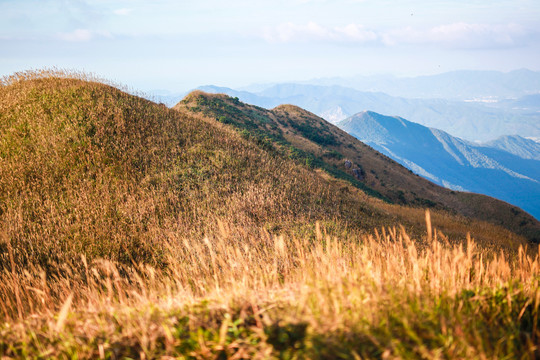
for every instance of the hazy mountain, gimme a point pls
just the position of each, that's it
(468, 120)
(459, 85)
(166, 97)
(245, 96)
(526, 104)
(508, 168)
(517, 145)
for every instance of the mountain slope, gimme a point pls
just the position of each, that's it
(298, 134)
(517, 145)
(87, 169)
(452, 162)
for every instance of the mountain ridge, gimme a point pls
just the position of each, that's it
(89, 169)
(517, 145)
(458, 84)
(320, 143)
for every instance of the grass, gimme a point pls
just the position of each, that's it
(129, 230)
(382, 296)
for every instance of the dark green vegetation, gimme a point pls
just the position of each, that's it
(130, 230)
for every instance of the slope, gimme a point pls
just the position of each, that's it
(301, 135)
(450, 161)
(88, 169)
(517, 145)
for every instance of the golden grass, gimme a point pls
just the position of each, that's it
(129, 230)
(375, 296)
(89, 169)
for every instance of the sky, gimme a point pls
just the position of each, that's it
(179, 45)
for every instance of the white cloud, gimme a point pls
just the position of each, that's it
(455, 35)
(460, 35)
(355, 32)
(78, 35)
(290, 32)
(122, 11)
(82, 35)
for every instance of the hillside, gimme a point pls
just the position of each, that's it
(84, 163)
(87, 168)
(307, 138)
(130, 230)
(495, 169)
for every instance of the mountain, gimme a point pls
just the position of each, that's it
(89, 169)
(457, 85)
(298, 134)
(469, 120)
(508, 168)
(164, 96)
(223, 230)
(528, 103)
(517, 145)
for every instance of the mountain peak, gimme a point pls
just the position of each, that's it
(293, 109)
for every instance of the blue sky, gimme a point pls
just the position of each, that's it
(178, 45)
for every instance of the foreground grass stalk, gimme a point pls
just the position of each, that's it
(378, 296)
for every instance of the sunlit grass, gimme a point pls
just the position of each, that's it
(376, 296)
(129, 230)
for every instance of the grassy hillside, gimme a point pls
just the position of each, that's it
(89, 169)
(301, 135)
(130, 230)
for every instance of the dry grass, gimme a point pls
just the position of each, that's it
(89, 169)
(129, 230)
(378, 296)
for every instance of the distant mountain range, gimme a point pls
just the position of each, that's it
(507, 168)
(456, 85)
(474, 121)
(524, 148)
